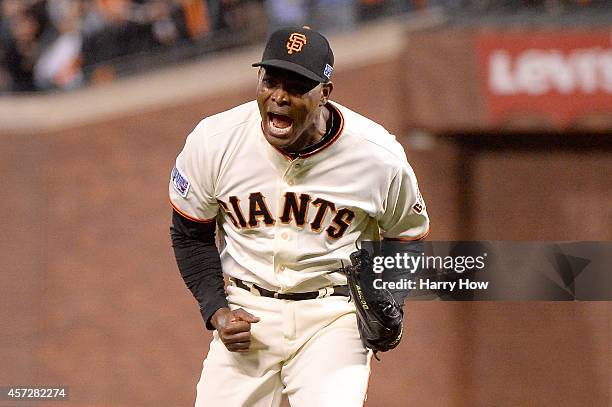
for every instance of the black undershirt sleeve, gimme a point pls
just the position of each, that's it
(198, 261)
(410, 249)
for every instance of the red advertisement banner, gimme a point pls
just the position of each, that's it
(560, 77)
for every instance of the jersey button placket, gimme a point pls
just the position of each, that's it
(282, 248)
(291, 173)
(284, 241)
(277, 263)
(281, 234)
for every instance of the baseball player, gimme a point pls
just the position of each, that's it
(293, 182)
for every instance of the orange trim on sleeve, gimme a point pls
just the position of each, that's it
(184, 215)
(408, 239)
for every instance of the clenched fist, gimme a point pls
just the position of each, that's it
(234, 328)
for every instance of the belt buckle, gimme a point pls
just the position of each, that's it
(254, 290)
(325, 292)
(251, 287)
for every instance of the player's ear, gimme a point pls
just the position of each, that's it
(326, 90)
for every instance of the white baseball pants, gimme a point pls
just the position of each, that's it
(308, 350)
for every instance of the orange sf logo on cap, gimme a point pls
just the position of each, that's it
(296, 42)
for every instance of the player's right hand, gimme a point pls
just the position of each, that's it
(234, 328)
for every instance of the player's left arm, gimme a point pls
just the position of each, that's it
(404, 214)
(404, 224)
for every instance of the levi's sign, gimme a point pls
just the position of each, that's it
(559, 76)
(537, 72)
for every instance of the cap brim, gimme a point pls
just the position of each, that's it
(290, 66)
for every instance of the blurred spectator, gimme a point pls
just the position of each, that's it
(334, 15)
(215, 14)
(22, 28)
(197, 17)
(247, 16)
(62, 44)
(59, 64)
(371, 9)
(286, 12)
(117, 28)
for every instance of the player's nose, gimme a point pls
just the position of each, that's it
(280, 96)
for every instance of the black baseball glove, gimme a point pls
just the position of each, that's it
(379, 317)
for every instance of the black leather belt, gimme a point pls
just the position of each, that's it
(337, 290)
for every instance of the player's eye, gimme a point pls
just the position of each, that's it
(300, 87)
(268, 82)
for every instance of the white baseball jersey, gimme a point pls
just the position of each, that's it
(287, 223)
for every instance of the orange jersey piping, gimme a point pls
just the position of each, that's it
(409, 239)
(184, 215)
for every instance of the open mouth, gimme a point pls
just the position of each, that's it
(279, 124)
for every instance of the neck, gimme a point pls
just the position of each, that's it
(316, 132)
(324, 122)
(321, 126)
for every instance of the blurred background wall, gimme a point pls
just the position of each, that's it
(504, 110)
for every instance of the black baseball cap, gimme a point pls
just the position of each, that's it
(300, 50)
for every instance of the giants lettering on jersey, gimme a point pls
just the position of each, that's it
(294, 209)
